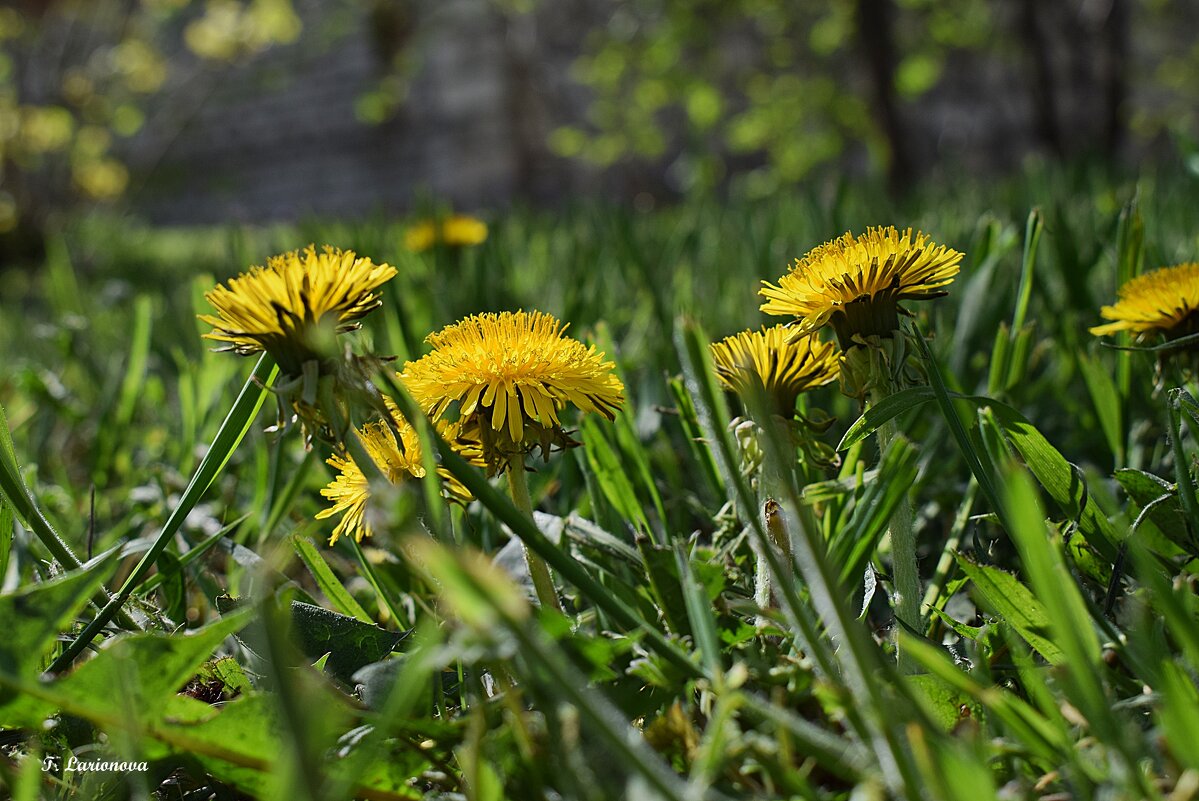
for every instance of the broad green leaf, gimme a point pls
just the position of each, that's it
(1004, 595)
(1160, 497)
(350, 643)
(882, 412)
(1047, 743)
(34, 615)
(943, 701)
(128, 681)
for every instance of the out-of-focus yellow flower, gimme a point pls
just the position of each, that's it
(290, 307)
(1163, 301)
(455, 231)
(398, 455)
(856, 284)
(773, 361)
(509, 375)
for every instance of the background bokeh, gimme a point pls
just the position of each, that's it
(229, 111)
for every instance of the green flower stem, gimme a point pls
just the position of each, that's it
(906, 573)
(539, 571)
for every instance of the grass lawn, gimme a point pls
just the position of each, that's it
(984, 586)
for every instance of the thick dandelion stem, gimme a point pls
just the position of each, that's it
(906, 574)
(539, 571)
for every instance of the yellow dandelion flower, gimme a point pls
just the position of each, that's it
(421, 236)
(856, 283)
(510, 374)
(398, 455)
(283, 307)
(773, 360)
(1163, 301)
(455, 231)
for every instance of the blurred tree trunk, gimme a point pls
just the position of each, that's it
(876, 37)
(1116, 35)
(1041, 86)
(523, 102)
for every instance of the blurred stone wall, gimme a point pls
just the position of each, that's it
(280, 139)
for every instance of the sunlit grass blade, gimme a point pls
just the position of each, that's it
(333, 589)
(1070, 622)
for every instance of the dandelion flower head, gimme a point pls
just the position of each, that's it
(856, 283)
(398, 455)
(772, 359)
(1163, 301)
(282, 308)
(455, 231)
(509, 375)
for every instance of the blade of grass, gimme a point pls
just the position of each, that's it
(333, 589)
(236, 423)
(984, 474)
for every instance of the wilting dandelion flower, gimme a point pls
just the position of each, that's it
(1162, 302)
(855, 284)
(298, 299)
(771, 360)
(509, 375)
(455, 231)
(396, 451)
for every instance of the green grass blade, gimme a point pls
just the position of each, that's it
(1032, 237)
(114, 428)
(1107, 404)
(13, 485)
(699, 612)
(986, 477)
(1182, 472)
(333, 589)
(236, 423)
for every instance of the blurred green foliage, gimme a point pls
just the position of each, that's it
(79, 78)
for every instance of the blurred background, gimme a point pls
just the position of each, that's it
(246, 111)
